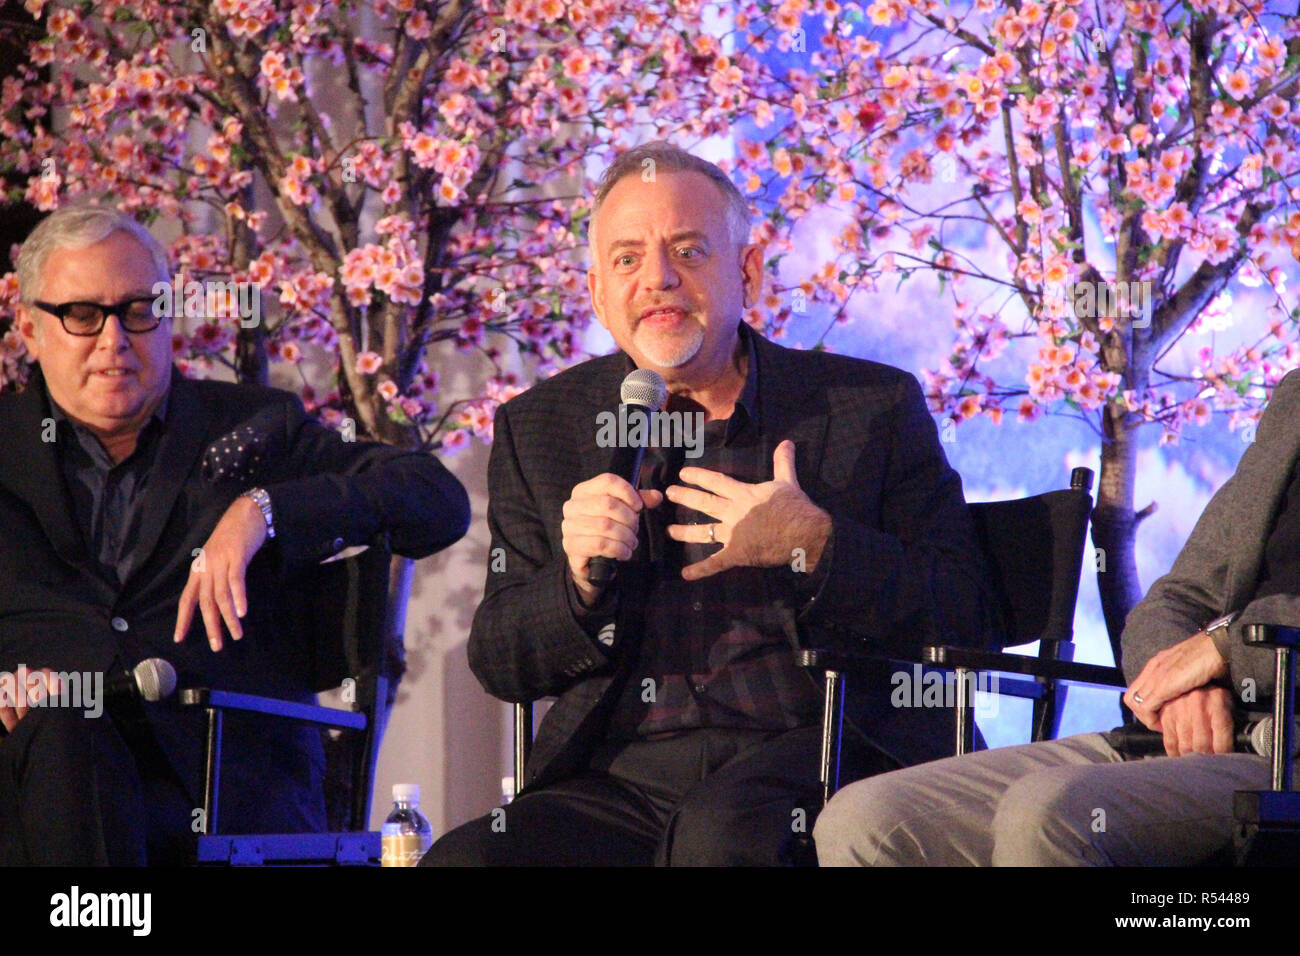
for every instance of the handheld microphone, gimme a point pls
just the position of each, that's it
(1256, 737)
(153, 679)
(642, 392)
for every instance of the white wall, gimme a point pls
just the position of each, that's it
(446, 733)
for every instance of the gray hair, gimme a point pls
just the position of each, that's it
(668, 158)
(75, 227)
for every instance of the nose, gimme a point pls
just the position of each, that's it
(659, 272)
(112, 336)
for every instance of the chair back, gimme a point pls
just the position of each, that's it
(1033, 548)
(344, 606)
(1034, 553)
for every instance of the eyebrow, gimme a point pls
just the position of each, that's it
(618, 244)
(129, 297)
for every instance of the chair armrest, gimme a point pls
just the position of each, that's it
(943, 656)
(1270, 635)
(272, 707)
(846, 661)
(971, 658)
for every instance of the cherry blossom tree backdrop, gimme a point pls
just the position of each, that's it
(938, 185)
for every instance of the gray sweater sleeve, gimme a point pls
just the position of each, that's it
(1197, 589)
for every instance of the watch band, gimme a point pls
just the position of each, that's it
(1221, 622)
(263, 501)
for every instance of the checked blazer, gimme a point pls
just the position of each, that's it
(902, 555)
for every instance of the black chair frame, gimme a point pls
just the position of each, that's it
(348, 603)
(1035, 592)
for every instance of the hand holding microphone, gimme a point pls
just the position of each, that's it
(151, 680)
(602, 514)
(1256, 737)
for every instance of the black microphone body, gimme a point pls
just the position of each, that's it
(1255, 737)
(642, 393)
(626, 463)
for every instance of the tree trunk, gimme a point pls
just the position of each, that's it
(252, 364)
(1114, 524)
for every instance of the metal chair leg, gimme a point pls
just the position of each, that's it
(832, 729)
(965, 710)
(212, 772)
(523, 741)
(1283, 717)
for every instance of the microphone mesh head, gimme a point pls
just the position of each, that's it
(1261, 736)
(644, 387)
(156, 679)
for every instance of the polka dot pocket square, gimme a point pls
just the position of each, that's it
(235, 456)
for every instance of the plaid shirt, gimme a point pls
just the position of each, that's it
(716, 652)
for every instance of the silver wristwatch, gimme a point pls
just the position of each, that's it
(263, 501)
(1221, 622)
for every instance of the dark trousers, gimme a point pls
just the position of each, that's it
(702, 798)
(74, 792)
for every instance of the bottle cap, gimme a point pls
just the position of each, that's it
(406, 793)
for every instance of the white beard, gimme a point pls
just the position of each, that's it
(668, 351)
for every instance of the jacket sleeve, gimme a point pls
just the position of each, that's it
(332, 494)
(526, 641)
(917, 579)
(1195, 591)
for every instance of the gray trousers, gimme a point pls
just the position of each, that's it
(1070, 802)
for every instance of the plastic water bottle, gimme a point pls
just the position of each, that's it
(407, 835)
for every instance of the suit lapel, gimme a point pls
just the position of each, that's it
(37, 478)
(801, 416)
(189, 427)
(602, 396)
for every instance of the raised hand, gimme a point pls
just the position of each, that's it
(760, 525)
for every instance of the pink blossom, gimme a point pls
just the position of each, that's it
(453, 442)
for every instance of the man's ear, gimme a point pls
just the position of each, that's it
(751, 273)
(29, 330)
(595, 290)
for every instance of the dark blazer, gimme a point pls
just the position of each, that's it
(326, 494)
(902, 568)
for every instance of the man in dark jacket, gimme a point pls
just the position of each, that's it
(141, 512)
(812, 503)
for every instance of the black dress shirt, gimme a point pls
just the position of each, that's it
(107, 497)
(713, 652)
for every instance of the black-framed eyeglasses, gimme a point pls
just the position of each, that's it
(87, 318)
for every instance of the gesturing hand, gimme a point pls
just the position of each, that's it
(1173, 672)
(758, 525)
(216, 582)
